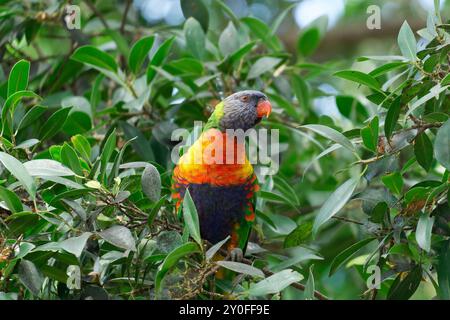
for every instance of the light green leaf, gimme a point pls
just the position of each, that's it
(407, 42)
(331, 134)
(310, 285)
(335, 202)
(229, 41)
(215, 248)
(241, 268)
(190, 216)
(262, 65)
(18, 170)
(434, 93)
(46, 167)
(423, 231)
(195, 38)
(82, 146)
(119, 236)
(75, 245)
(30, 276)
(275, 283)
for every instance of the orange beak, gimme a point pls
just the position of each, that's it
(263, 108)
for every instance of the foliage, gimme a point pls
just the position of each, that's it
(86, 122)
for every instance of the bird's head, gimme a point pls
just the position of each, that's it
(244, 109)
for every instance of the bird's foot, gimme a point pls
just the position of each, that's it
(237, 255)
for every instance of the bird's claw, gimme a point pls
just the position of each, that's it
(237, 255)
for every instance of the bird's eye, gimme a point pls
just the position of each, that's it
(244, 98)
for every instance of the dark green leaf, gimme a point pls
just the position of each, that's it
(404, 287)
(96, 58)
(423, 149)
(345, 255)
(139, 52)
(197, 10)
(18, 77)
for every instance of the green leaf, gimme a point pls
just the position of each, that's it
(30, 276)
(75, 245)
(299, 235)
(423, 149)
(394, 182)
(18, 77)
(18, 170)
(301, 91)
(140, 143)
(107, 151)
(331, 134)
(195, 38)
(155, 210)
(158, 58)
(96, 58)
(229, 40)
(119, 236)
(392, 116)
(369, 135)
(263, 32)
(54, 124)
(70, 158)
(275, 283)
(446, 80)
(442, 145)
(404, 287)
(139, 52)
(310, 285)
(188, 65)
(423, 231)
(434, 93)
(298, 254)
(359, 77)
(335, 202)
(262, 65)
(82, 146)
(384, 68)
(197, 10)
(345, 255)
(241, 268)
(151, 183)
(407, 42)
(47, 167)
(11, 103)
(308, 41)
(190, 216)
(12, 201)
(172, 259)
(27, 144)
(215, 248)
(31, 116)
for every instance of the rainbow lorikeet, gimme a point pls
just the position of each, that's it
(217, 173)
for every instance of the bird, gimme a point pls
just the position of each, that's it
(218, 174)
